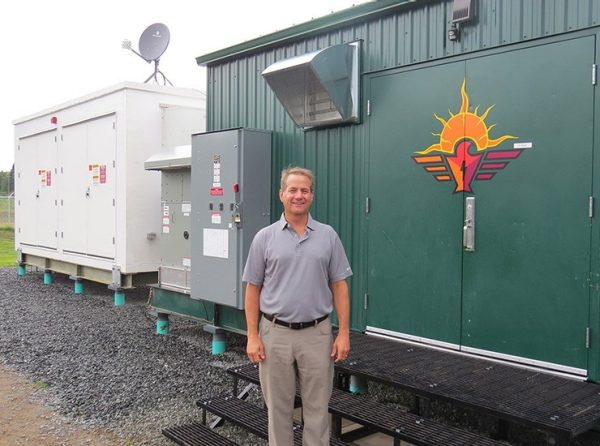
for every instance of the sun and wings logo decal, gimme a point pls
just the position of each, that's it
(462, 153)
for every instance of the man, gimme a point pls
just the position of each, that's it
(296, 273)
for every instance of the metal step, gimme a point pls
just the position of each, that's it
(401, 425)
(249, 416)
(196, 434)
(384, 418)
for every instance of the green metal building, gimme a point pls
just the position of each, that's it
(465, 193)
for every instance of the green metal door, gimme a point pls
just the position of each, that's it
(414, 246)
(508, 136)
(525, 285)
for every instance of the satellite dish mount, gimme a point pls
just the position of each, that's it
(153, 43)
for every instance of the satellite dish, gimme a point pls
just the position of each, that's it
(154, 41)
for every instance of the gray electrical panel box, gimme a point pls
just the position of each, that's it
(231, 201)
(175, 165)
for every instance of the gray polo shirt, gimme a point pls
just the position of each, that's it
(295, 271)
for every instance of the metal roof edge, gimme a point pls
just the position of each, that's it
(125, 85)
(318, 25)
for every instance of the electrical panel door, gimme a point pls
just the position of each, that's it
(231, 178)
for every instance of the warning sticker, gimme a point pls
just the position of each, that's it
(216, 191)
(216, 218)
(166, 229)
(98, 172)
(216, 172)
(45, 177)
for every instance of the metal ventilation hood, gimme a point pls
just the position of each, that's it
(318, 88)
(177, 157)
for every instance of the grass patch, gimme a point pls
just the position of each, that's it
(8, 256)
(7, 211)
(39, 384)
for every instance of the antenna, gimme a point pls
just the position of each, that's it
(153, 43)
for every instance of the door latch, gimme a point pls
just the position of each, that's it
(469, 227)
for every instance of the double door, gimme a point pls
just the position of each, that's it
(87, 156)
(480, 178)
(36, 190)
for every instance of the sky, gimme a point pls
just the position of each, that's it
(56, 51)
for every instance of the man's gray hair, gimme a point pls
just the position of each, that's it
(285, 173)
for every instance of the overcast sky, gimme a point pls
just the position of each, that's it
(56, 51)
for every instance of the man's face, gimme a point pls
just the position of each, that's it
(297, 196)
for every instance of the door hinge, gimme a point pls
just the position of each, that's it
(368, 107)
(55, 140)
(594, 74)
(587, 337)
(366, 301)
(113, 240)
(367, 205)
(591, 207)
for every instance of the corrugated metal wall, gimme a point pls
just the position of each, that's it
(239, 97)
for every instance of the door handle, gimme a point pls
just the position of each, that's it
(87, 193)
(469, 227)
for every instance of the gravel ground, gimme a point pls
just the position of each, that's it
(105, 366)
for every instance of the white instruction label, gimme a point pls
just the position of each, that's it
(216, 243)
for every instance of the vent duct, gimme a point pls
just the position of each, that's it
(318, 88)
(461, 11)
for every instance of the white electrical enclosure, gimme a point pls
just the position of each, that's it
(84, 203)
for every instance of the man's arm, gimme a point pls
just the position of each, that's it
(254, 347)
(341, 302)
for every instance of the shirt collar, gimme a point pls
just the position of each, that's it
(283, 224)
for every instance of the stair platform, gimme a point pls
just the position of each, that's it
(383, 418)
(557, 404)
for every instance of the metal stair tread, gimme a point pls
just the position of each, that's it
(196, 434)
(249, 416)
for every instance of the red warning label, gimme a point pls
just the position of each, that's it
(216, 191)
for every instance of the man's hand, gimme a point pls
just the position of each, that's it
(341, 302)
(255, 349)
(341, 347)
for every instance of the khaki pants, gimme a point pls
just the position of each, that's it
(305, 354)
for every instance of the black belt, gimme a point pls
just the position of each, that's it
(294, 325)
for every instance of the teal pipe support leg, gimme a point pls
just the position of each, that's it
(162, 324)
(78, 286)
(48, 279)
(219, 343)
(119, 298)
(21, 270)
(358, 385)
